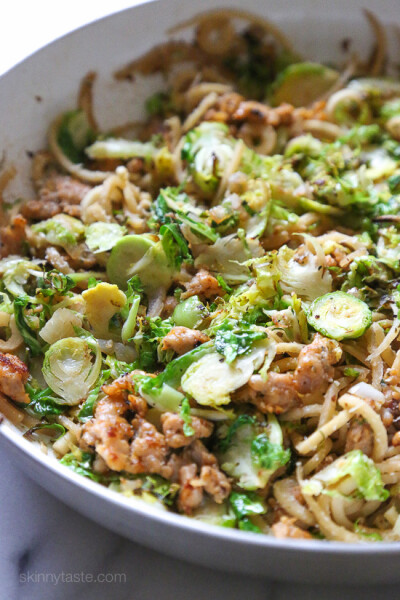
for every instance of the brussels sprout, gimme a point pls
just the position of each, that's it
(61, 325)
(384, 87)
(356, 465)
(207, 150)
(71, 367)
(246, 508)
(210, 380)
(165, 399)
(257, 203)
(161, 391)
(233, 338)
(302, 83)
(214, 514)
(390, 109)
(101, 237)
(251, 453)
(16, 273)
(340, 316)
(139, 255)
(130, 322)
(304, 144)
(227, 257)
(120, 148)
(62, 230)
(189, 313)
(305, 278)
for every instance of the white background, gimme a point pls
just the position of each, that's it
(40, 535)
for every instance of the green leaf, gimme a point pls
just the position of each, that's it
(185, 415)
(268, 455)
(198, 227)
(54, 283)
(164, 490)
(28, 334)
(394, 184)
(172, 374)
(349, 372)
(239, 422)
(245, 524)
(175, 246)
(57, 427)
(354, 464)
(43, 402)
(87, 410)
(224, 285)
(233, 338)
(81, 463)
(245, 506)
(74, 134)
(147, 339)
(159, 104)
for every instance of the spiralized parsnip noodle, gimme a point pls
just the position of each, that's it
(212, 324)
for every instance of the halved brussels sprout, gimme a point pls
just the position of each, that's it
(61, 230)
(139, 255)
(71, 367)
(61, 325)
(210, 380)
(207, 150)
(355, 465)
(16, 273)
(120, 148)
(340, 316)
(384, 87)
(302, 83)
(252, 452)
(189, 313)
(101, 237)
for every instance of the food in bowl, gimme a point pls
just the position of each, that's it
(201, 309)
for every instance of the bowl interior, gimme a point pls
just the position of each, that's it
(46, 84)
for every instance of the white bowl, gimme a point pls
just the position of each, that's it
(44, 85)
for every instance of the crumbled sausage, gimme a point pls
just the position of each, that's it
(109, 433)
(190, 496)
(359, 437)
(183, 339)
(172, 426)
(12, 237)
(149, 450)
(315, 365)
(13, 376)
(277, 394)
(200, 473)
(203, 284)
(135, 447)
(58, 194)
(256, 112)
(215, 483)
(286, 528)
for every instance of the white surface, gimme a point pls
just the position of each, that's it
(41, 539)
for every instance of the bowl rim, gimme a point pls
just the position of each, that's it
(198, 528)
(193, 526)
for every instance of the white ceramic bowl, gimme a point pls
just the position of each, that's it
(44, 85)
